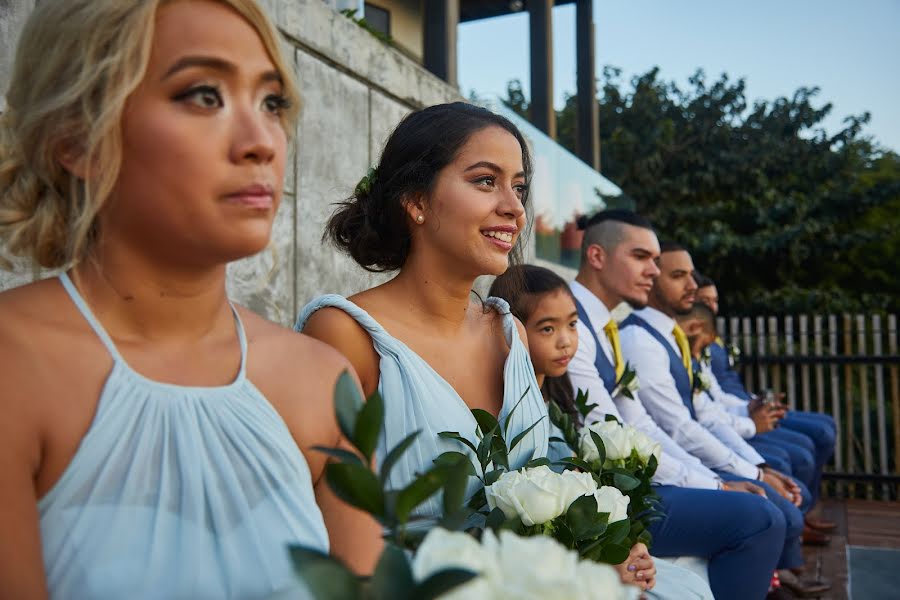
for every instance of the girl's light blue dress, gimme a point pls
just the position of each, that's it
(417, 398)
(178, 492)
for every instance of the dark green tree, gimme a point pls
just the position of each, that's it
(785, 217)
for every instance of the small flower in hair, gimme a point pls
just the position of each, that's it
(365, 184)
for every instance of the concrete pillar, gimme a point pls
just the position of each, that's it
(441, 20)
(543, 116)
(587, 129)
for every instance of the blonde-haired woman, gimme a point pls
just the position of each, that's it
(144, 451)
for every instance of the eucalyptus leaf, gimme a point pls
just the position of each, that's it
(368, 425)
(324, 576)
(394, 455)
(356, 485)
(347, 404)
(393, 578)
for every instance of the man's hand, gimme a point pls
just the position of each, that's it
(638, 569)
(743, 486)
(783, 484)
(765, 417)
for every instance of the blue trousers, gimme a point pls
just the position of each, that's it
(791, 554)
(800, 451)
(742, 536)
(819, 428)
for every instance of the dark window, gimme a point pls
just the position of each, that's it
(378, 19)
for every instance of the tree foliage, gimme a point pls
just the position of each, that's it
(785, 217)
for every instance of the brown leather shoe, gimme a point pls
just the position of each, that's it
(804, 588)
(820, 524)
(813, 537)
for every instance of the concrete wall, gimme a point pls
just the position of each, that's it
(355, 90)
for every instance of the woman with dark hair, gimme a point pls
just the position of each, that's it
(544, 303)
(445, 205)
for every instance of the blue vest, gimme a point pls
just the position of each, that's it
(605, 368)
(728, 379)
(676, 367)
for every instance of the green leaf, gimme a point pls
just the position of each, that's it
(394, 455)
(518, 438)
(357, 486)
(582, 405)
(601, 447)
(610, 417)
(421, 489)
(572, 461)
(393, 578)
(508, 419)
(486, 421)
(625, 482)
(369, 421)
(452, 459)
(347, 404)
(442, 582)
(456, 482)
(538, 462)
(614, 554)
(495, 519)
(491, 477)
(453, 435)
(616, 532)
(324, 576)
(499, 454)
(345, 456)
(583, 519)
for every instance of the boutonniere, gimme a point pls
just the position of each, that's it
(702, 382)
(734, 355)
(628, 384)
(706, 356)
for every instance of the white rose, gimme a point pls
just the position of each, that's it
(442, 549)
(614, 437)
(537, 495)
(644, 445)
(532, 568)
(597, 580)
(611, 500)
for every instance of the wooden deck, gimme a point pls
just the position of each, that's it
(859, 523)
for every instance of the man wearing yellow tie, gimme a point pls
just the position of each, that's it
(740, 534)
(652, 341)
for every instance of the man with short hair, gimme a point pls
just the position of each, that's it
(741, 534)
(814, 432)
(652, 341)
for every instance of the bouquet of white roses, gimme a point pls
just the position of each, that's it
(616, 455)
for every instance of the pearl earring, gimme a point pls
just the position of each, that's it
(420, 219)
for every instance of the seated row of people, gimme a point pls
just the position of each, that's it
(712, 443)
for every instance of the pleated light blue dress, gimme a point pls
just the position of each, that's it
(417, 398)
(178, 492)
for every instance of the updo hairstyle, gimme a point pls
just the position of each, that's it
(372, 226)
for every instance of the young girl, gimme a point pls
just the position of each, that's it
(152, 431)
(542, 300)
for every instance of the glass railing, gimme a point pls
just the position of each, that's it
(562, 188)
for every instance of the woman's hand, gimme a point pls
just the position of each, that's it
(638, 569)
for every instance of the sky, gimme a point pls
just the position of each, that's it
(850, 49)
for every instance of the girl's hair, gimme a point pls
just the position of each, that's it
(77, 63)
(372, 225)
(522, 286)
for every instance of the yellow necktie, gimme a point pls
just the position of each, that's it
(685, 347)
(612, 332)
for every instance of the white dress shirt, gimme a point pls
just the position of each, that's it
(676, 467)
(662, 400)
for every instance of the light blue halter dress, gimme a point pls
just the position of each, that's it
(178, 492)
(417, 398)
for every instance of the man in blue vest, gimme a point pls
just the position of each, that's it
(741, 534)
(815, 432)
(652, 341)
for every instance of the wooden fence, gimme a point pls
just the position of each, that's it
(843, 365)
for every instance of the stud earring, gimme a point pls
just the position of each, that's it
(420, 219)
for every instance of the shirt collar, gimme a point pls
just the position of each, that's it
(593, 306)
(658, 320)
